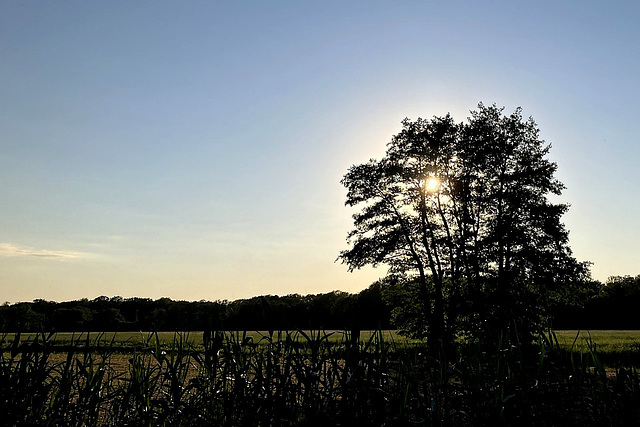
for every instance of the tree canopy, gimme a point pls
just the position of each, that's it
(461, 215)
(332, 310)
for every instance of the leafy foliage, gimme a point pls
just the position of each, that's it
(611, 305)
(300, 378)
(333, 310)
(460, 213)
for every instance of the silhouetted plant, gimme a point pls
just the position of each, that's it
(459, 213)
(314, 378)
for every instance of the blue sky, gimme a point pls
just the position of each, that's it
(194, 149)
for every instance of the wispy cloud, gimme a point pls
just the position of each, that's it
(11, 250)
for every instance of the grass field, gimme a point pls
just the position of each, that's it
(194, 338)
(606, 341)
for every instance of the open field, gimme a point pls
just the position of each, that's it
(606, 341)
(124, 340)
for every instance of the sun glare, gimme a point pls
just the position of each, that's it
(432, 184)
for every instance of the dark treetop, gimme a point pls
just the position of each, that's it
(461, 213)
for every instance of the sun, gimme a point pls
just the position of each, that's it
(432, 184)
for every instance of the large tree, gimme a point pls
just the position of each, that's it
(460, 213)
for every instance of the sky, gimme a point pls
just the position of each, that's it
(194, 150)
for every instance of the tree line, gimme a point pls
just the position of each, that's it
(333, 310)
(609, 305)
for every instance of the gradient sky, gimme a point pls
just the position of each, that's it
(194, 149)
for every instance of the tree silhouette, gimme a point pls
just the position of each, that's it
(460, 214)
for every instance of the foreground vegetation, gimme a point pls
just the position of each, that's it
(312, 378)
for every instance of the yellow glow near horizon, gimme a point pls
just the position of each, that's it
(432, 184)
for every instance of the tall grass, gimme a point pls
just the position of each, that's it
(311, 378)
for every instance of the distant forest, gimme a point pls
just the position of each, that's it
(610, 305)
(333, 310)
